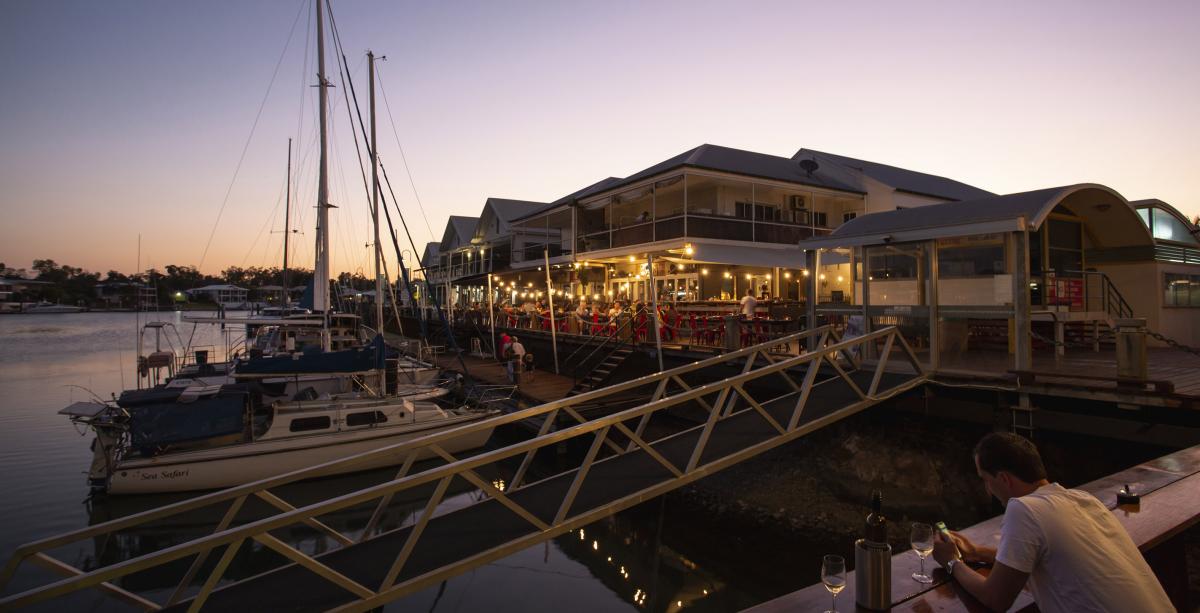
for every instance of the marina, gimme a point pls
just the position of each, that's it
(718, 379)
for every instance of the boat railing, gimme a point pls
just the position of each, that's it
(671, 389)
(485, 395)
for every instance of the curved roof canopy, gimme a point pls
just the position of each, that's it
(1109, 219)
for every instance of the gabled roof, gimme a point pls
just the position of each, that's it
(429, 258)
(910, 181)
(994, 214)
(594, 188)
(459, 230)
(737, 161)
(507, 210)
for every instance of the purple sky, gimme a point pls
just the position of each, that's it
(121, 119)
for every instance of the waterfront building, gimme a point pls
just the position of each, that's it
(979, 284)
(701, 228)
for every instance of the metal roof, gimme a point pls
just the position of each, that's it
(508, 210)
(737, 161)
(904, 180)
(980, 216)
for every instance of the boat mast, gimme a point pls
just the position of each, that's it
(287, 227)
(321, 269)
(375, 200)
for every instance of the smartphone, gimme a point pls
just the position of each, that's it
(941, 527)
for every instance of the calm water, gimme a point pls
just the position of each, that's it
(632, 561)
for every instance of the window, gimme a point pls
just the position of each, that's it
(971, 256)
(848, 216)
(304, 424)
(365, 419)
(1181, 290)
(760, 212)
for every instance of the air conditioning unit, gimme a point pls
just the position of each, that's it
(796, 202)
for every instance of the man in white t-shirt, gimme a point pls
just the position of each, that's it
(749, 304)
(518, 358)
(1067, 545)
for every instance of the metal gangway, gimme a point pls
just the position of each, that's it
(759, 401)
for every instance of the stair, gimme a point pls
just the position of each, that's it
(600, 374)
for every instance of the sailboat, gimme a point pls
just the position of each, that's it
(215, 436)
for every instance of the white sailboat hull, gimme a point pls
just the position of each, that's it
(223, 467)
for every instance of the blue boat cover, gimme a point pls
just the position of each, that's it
(154, 426)
(360, 359)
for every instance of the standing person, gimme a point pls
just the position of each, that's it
(749, 304)
(517, 350)
(505, 341)
(1073, 552)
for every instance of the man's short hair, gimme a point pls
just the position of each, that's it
(1010, 452)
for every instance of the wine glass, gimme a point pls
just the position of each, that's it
(921, 538)
(833, 575)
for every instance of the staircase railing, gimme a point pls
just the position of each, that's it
(1105, 297)
(609, 335)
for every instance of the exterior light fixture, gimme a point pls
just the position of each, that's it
(822, 277)
(787, 275)
(839, 278)
(689, 250)
(805, 271)
(727, 275)
(595, 296)
(704, 271)
(768, 277)
(749, 276)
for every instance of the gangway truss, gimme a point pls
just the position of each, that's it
(769, 400)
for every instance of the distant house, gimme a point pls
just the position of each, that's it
(228, 296)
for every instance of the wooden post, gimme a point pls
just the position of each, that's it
(550, 298)
(811, 260)
(1019, 258)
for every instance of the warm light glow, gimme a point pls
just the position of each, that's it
(530, 284)
(839, 279)
(704, 271)
(822, 277)
(595, 296)
(805, 271)
(728, 276)
(749, 276)
(768, 277)
(689, 250)
(787, 275)
(595, 545)
(631, 258)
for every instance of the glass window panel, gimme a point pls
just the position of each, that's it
(633, 206)
(668, 197)
(971, 256)
(1167, 227)
(1145, 215)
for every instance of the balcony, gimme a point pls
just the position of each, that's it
(699, 225)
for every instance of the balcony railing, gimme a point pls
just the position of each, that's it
(699, 225)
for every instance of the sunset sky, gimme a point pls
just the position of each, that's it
(122, 119)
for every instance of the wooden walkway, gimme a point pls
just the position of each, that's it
(1170, 487)
(1082, 368)
(538, 386)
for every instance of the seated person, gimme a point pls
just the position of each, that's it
(1065, 544)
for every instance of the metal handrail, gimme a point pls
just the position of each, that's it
(258, 530)
(615, 334)
(1112, 301)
